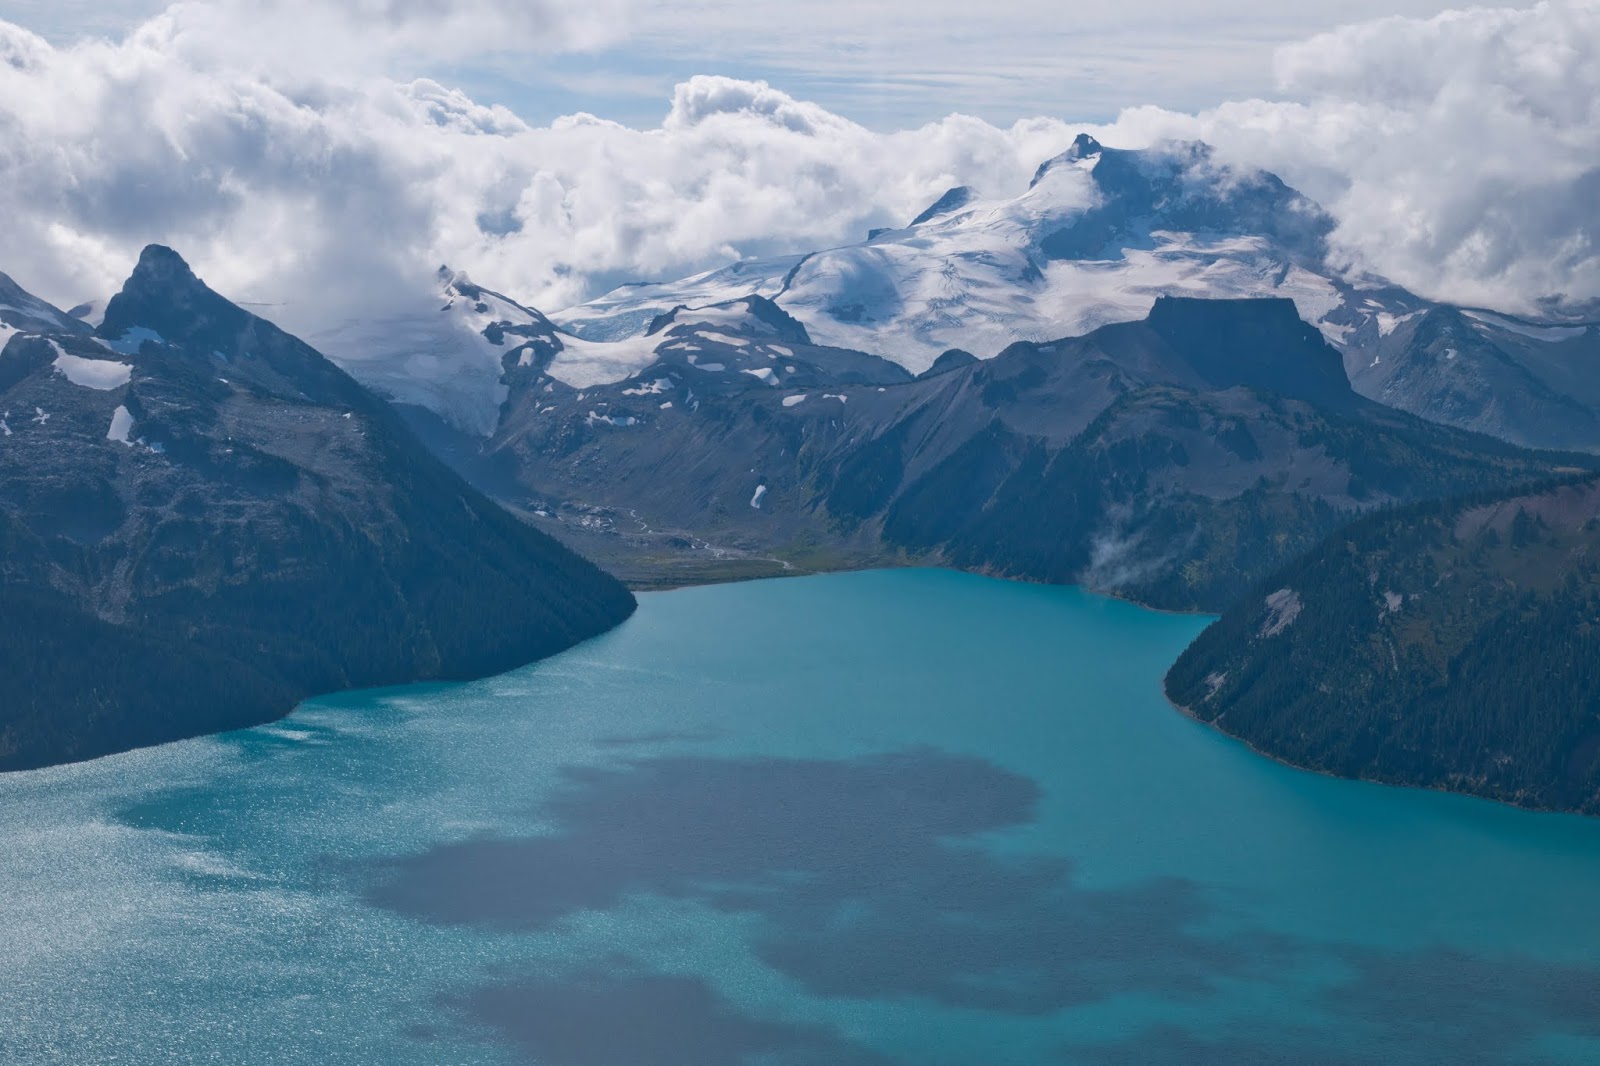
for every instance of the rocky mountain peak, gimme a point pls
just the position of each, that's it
(1260, 343)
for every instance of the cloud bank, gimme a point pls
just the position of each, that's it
(272, 145)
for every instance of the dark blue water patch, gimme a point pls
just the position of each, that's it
(1265, 1042)
(866, 872)
(1435, 1005)
(601, 1018)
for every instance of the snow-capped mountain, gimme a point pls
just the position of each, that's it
(465, 357)
(1098, 235)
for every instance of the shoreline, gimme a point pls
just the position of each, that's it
(1332, 776)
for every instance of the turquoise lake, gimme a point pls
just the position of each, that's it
(901, 817)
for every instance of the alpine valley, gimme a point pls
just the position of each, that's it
(1146, 374)
(1142, 375)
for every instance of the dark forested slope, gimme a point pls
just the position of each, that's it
(203, 521)
(1448, 645)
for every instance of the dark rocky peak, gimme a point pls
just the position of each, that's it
(1083, 146)
(954, 359)
(952, 200)
(458, 282)
(751, 317)
(1256, 343)
(167, 317)
(163, 296)
(1179, 186)
(24, 312)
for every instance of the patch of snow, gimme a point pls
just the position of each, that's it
(1548, 334)
(788, 370)
(786, 352)
(738, 316)
(133, 339)
(121, 426)
(6, 333)
(36, 309)
(1392, 602)
(790, 401)
(712, 368)
(595, 417)
(585, 364)
(1336, 333)
(94, 313)
(841, 397)
(666, 405)
(1450, 353)
(1283, 607)
(1388, 323)
(40, 416)
(755, 501)
(100, 374)
(720, 338)
(5, 426)
(764, 373)
(628, 311)
(654, 388)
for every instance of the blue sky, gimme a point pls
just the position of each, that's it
(883, 64)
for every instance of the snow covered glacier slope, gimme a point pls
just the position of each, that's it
(1095, 239)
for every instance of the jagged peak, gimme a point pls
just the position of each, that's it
(1083, 147)
(160, 264)
(953, 199)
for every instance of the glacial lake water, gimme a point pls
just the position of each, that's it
(909, 817)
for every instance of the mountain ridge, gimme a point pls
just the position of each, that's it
(202, 528)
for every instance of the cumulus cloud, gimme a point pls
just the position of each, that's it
(1458, 154)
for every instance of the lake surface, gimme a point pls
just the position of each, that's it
(908, 817)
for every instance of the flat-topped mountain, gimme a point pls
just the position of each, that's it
(1172, 460)
(204, 521)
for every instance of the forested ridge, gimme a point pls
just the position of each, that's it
(1449, 644)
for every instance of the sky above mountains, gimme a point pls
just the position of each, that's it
(323, 156)
(887, 65)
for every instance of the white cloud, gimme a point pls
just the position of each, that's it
(1458, 154)
(1461, 153)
